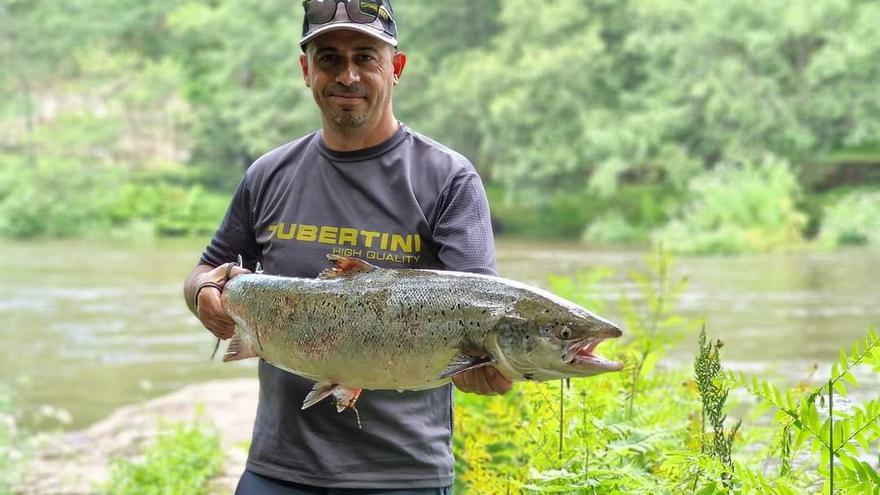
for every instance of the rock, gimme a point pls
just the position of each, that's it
(75, 463)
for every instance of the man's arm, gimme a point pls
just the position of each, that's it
(234, 237)
(209, 309)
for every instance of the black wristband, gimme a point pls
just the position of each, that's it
(199, 289)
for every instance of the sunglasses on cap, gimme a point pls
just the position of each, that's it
(359, 11)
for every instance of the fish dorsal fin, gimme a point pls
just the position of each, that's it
(344, 266)
(466, 360)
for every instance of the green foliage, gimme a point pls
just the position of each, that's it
(852, 219)
(666, 85)
(168, 210)
(613, 228)
(59, 199)
(242, 77)
(182, 460)
(609, 434)
(62, 199)
(653, 327)
(841, 437)
(739, 208)
(590, 118)
(604, 435)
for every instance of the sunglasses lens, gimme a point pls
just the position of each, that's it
(362, 11)
(320, 11)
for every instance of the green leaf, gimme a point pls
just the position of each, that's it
(850, 378)
(840, 388)
(708, 489)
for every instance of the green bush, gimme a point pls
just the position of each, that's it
(852, 219)
(182, 460)
(623, 217)
(168, 210)
(613, 228)
(58, 199)
(738, 208)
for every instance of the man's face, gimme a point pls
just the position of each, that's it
(352, 76)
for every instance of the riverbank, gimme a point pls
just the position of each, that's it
(76, 463)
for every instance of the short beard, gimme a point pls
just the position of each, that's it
(348, 120)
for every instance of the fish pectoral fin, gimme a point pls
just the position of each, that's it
(464, 361)
(238, 350)
(344, 266)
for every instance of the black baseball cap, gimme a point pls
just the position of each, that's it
(371, 17)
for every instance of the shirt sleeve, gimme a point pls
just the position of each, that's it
(463, 227)
(235, 236)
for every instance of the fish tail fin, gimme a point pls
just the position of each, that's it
(238, 350)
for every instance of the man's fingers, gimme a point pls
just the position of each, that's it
(473, 381)
(464, 381)
(487, 384)
(485, 381)
(497, 381)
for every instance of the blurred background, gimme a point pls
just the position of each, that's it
(742, 136)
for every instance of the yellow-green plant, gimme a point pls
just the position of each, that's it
(181, 461)
(592, 436)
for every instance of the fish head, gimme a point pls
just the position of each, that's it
(549, 338)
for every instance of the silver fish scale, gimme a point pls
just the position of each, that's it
(382, 329)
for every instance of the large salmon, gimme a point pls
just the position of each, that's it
(358, 326)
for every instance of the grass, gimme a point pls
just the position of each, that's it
(184, 457)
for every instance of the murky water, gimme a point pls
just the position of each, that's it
(92, 325)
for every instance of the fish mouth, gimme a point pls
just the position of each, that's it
(581, 354)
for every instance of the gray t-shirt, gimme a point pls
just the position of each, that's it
(408, 202)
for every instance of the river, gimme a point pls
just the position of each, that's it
(88, 326)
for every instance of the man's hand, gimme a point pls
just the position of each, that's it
(210, 310)
(484, 381)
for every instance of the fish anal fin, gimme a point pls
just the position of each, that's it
(464, 361)
(238, 350)
(344, 266)
(346, 398)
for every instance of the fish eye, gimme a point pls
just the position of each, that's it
(565, 333)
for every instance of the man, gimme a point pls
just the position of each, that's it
(363, 186)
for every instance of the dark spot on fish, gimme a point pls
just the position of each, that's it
(528, 376)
